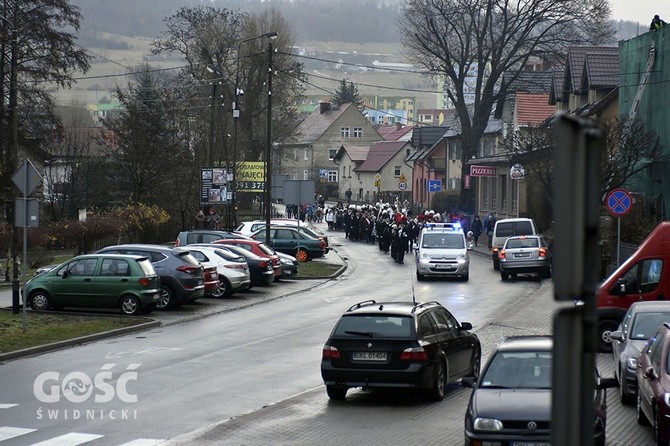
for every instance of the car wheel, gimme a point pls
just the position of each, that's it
(626, 399)
(419, 277)
(130, 305)
(504, 275)
(39, 300)
(476, 363)
(436, 393)
(167, 300)
(224, 290)
(605, 329)
(641, 417)
(336, 393)
(496, 265)
(301, 255)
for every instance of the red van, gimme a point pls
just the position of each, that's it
(643, 276)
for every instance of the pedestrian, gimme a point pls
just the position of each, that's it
(348, 195)
(213, 219)
(490, 226)
(200, 220)
(656, 23)
(476, 228)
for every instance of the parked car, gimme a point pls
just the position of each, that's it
(182, 276)
(509, 227)
(250, 227)
(293, 242)
(128, 283)
(653, 384)
(510, 403)
(398, 344)
(203, 236)
(232, 269)
(525, 254)
(260, 268)
(442, 251)
(289, 265)
(639, 323)
(260, 249)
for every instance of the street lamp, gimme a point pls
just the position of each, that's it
(268, 149)
(236, 114)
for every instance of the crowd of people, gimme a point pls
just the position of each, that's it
(392, 227)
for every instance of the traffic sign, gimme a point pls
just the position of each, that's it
(378, 183)
(517, 172)
(378, 177)
(402, 178)
(619, 202)
(27, 178)
(434, 185)
(402, 185)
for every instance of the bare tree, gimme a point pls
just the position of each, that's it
(490, 42)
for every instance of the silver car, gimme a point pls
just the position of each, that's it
(442, 251)
(525, 254)
(638, 325)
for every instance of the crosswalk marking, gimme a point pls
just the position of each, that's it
(143, 442)
(7, 406)
(10, 432)
(71, 439)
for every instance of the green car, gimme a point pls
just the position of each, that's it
(127, 282)
(291, 241)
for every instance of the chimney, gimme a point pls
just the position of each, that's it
(398, 125)
(324, 106)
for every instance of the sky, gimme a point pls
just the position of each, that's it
(641, 11)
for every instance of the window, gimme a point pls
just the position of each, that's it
(358, 132)
(396, 171)
(305, 174)
(295, 174)
(344, 132)
(306, 154)
(426, 326)
(114, 267)
(344, 171)
(332, 176)
(331, 154)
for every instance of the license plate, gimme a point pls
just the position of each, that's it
(369, 356)
(529, 443)
(524, 254)
(443, 267)
(157, 296)
(288, 273)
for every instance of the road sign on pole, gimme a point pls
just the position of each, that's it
(402, 185)
(434, 185)
(619, 202)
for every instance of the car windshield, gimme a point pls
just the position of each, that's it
(645, 324)
(443, 240)
(518, 370)
(522, 243)
(375, 326)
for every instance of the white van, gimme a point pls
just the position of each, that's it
(506, 228)
(442, 251)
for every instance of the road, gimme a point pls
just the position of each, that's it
(252, 376)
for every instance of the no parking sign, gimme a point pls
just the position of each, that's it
(619, 202)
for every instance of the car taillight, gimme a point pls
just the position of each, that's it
(330, 352)
(176, 243)
(241, 266)
(144, 281)
(322, 244)
(543, 252)
(414, 354)
(188, 269)
(264, 264)
(501, 254)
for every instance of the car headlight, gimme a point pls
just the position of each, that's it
(487, 424)
(461, 257)
(631, 362)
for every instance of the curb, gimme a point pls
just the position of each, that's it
(152, 323)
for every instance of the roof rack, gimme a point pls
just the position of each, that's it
(362, 304)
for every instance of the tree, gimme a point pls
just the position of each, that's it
(490, 42)
(346, 93)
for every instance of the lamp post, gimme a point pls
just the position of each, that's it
(268, 152)
(236, 104)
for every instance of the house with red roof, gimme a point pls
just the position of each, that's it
(384, 175)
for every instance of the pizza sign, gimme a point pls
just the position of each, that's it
(482, 171)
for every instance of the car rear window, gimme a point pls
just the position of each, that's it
(266, 249)
(147, 267)
(522, 243)
(443, 240)
(512, 228)
(186, 257)
(374, 326)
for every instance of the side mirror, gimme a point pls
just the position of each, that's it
(620, 287)
(617, 335)
(466, 326)
(650, 373)
(66, 273)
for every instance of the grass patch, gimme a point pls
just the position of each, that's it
(47, 328)
(316, 269)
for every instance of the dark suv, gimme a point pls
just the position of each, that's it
(398, 344)
(182, 276)
(653, 384)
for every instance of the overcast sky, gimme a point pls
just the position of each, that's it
(640, 10)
